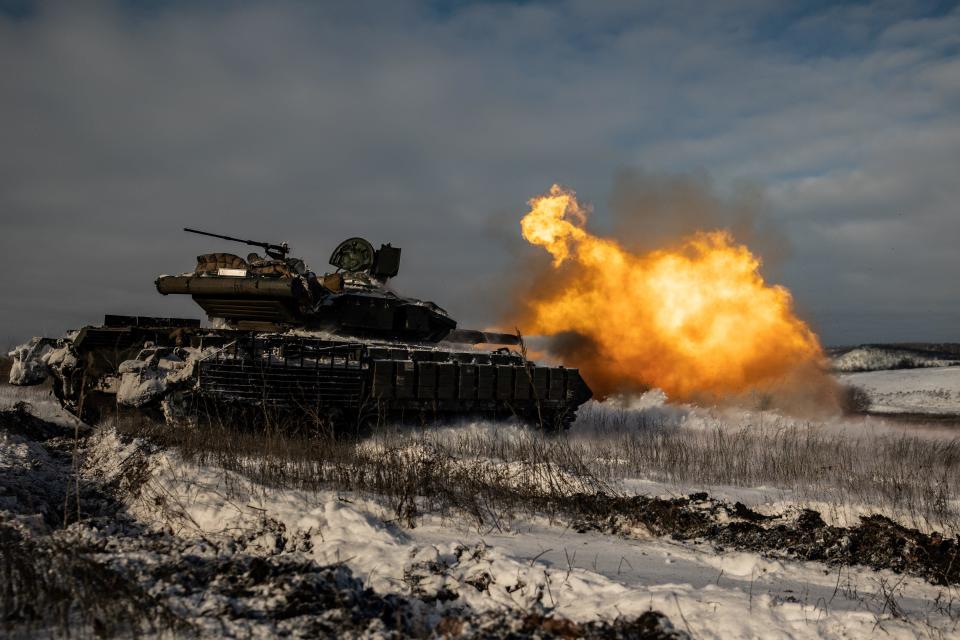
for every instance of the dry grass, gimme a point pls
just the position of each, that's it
(411, 470)
(489, 470)
(50, 587)
(914, 476)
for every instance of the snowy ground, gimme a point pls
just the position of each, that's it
(42, 402)
(922, 379)
(529, 561)
(928, 390)
(524, 562)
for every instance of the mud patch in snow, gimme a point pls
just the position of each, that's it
(876, 542)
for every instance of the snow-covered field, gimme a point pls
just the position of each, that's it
(928, 390)
(178, 508)
(876, 357)
(530, 561)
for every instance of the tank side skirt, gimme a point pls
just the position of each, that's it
(256, 370)
(251, 368)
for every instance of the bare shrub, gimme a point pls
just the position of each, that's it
(853, 400)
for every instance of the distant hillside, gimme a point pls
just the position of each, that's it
(906, 355)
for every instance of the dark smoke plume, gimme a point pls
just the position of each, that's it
(651, 211)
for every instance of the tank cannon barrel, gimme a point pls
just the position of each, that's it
(275, 251)
(229, 287)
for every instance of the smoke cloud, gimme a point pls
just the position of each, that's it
(674, 301)
(652, 211)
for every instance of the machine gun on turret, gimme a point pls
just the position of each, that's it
(275, 251)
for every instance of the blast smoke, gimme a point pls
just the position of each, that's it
(676, 301)
(651, 211)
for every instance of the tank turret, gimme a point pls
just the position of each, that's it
(281, 292)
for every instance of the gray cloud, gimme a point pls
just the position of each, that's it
(311, 123)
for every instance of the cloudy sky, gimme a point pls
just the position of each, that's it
(429, 125)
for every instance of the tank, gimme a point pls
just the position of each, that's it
(341, 349)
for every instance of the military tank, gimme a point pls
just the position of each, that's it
(340, 349)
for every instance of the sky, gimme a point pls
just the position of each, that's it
(430, 124)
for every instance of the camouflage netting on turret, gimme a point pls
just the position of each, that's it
(211, 263)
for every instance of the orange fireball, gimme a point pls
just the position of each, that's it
(694, 320)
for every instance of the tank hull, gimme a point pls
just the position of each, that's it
(304, 377)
